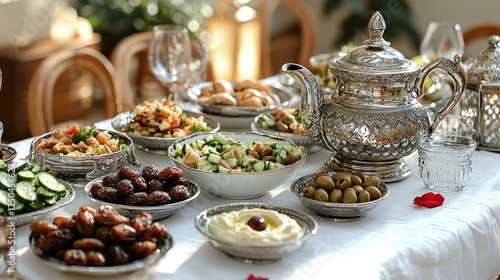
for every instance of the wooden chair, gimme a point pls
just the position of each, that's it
(308, 26)
(483, 30)
(41, 87)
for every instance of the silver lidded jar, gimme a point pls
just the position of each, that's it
(373, 119)
(481, 100)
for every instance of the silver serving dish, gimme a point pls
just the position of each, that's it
(256, 252)
(343, 212)
(82, 169)
(164, 245)
(9, 153)
(235, 111)
(152, 144)
(298, 139)
(26, 218)
(158, 212)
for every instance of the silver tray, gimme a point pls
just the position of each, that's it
(9, 153)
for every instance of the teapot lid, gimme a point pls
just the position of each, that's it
(375, 57)
(485, 67)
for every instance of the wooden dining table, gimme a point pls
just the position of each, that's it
(395, 240)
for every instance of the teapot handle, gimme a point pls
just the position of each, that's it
(456, 71)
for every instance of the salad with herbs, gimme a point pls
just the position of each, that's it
(77, 141)
(163, 119)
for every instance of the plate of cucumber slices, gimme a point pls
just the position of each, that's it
(28, 194)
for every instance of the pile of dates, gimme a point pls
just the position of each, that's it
(150, 187)
(99, 238)
(343, 187)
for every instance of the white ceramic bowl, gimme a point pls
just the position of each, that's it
(256, 252)
(244, 185)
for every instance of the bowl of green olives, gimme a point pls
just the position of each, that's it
(340, 196)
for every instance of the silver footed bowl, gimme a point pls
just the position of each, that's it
(157, 212)
(9, 153)
(83, 169)
(343, 212)
(26, 218)
(236, 111)
(153, 144)
(256, 252)
(298, 139)
(163, 246)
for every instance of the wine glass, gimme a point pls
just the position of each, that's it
(170, 58)
(442, 39)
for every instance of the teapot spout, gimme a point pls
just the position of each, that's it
(311, 101)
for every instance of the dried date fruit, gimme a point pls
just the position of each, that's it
(179, 193)
(95, 187)
(179, 181)
(110, 181)
(95, 258)
(55, 240)
(124, 188)
(123, 234)
(108, 216)
(141, 222)
(75, 257)
(155, 185)
(102, 233)
(157, 198)
(128, 173)
(150, 172)
(154, 231)
(108, 194)
(63, 222)
(87, 209)
(89, 244)
(135, 199)
(141, 249)
(42, 228)
(85, 223)
(170, 174)
(117, 255)
(139, 184)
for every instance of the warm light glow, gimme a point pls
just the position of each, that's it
(245, 13)
(222, 48)
(64, 25)
(85, 30)
(248, 51)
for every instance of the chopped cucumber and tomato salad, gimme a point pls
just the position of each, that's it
(216, 153)
(32, 189)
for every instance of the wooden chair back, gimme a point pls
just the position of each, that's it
(41, 87)
(483, 30)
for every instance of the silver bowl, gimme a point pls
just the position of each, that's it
(256, 252)
(158, 212)
(244, 185)
(298, 139)
(163, 246)
(82, 169)
(335, 211)
(236, 111)
(26, 218)
(9, 153)
(158, 145)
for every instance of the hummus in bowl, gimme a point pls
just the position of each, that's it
(226, 228)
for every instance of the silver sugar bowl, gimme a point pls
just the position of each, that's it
(373, 119)
(481, 100)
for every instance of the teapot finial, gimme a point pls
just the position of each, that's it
(376, 26)
(494, 41)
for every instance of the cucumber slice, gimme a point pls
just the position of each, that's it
(26, 175)
(48, 181)
(186, 148)
(25, 191)
(289, 148)
(2, 211)
(209, 138)
(174, 154)
(178, 148)
(258, 166)
(214, 159)
(33, 206)
(207, 167)
(223, 169)
(270, 123)
(19, 207)
(4, 181)
(44, 194)
(297, 153)
(200, 144)
(25, 166)
(3, 166)
(61, 189)
(4, 199)
(221, 139)
(233, 162)
(36, 168)
(53, 200)
(229, 155)
(272, 145)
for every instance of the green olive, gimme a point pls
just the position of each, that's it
(309, 191)
(312, 184)
(325, 182)
(357, 188)
(337, 175)
(320, 174)
(350, 197)
(321, 195)
(343, 181)
(372, 181)
(363, 196)
(336, 196)
(349, 190)
(374, 192)
(355, 180)
(361, 175)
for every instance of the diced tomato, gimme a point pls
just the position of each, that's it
(175, 121)
(73, 130)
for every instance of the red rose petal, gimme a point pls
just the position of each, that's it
(251, 277)
(429, 200)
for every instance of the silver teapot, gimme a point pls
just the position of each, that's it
(373, 119)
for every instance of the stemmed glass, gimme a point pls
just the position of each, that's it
(171, 61)
(442, 39)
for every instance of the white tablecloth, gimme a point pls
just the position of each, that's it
(396, 240)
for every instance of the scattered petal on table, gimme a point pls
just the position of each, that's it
(429, 200)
